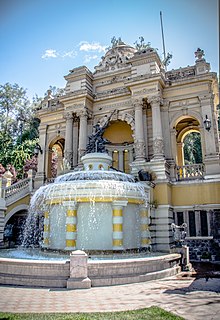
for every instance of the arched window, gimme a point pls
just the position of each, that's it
(192, 148)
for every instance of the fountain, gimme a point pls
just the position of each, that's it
(96, 210)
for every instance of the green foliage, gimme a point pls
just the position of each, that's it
(18, 127)
(192, 148)
(155, 313)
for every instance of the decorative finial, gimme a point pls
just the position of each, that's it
(199, 54)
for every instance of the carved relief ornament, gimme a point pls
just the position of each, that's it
(158, 146)
(155, 100)
(68, 115)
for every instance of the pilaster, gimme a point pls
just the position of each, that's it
(139, 145)
(158, 145)
(83, 115)
(211, 147)
(68, 153)
(41, 167)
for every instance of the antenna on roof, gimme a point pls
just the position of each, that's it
(164, 50)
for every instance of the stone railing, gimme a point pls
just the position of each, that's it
(180, 73)
(16, 191)
(190, 172)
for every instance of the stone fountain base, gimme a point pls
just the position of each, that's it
(61, 274)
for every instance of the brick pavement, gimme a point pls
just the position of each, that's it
(189, 298)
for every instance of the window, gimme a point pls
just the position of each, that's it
(180, 219)
(197, 222)
(115, 159)
(126, 161)
(204, 224)
(192, 224)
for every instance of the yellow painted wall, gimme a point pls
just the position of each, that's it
(25, 200)
(187, 194)
(119, 132)
(162, 193)
(191, 194)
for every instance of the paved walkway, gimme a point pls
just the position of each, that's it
(192, 299)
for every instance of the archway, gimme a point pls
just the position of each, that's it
(187, 127)
(55, 157)
(119, 133)
(14, 227)
(192, 149)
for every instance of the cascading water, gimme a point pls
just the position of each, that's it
(95, 209)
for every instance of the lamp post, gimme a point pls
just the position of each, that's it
(207, 123)
(37, 149)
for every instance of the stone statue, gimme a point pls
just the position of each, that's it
(142, 45)
(179, 233)
(96, 141)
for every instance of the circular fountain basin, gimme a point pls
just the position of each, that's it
(101, 271)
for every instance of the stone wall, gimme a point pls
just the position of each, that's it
(204, 249)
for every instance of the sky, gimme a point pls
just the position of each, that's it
(41, 40)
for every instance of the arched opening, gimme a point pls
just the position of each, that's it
(192, 148)
(14, 228)
(187, 126)
(55, 158)
(188, 149)
(119, 134)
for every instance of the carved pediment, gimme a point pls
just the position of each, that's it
(115, 58)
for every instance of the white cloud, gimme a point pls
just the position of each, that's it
(50, 53)
(88, 58)
(95, 46)
(69, 54)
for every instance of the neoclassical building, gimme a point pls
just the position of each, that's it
(151, 112)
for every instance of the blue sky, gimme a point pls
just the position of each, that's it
(41, 40)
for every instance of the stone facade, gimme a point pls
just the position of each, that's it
(152, 111)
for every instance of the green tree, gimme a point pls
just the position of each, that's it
(18, 126)
(15, 109)
(192, 148)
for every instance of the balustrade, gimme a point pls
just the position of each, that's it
(16, 191)
(190, 172)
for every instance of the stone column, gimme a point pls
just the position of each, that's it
(117, 224)
(139, 145)
(71, 225)
(145, 132)
(82, 133)
(180, 156)
(68, 153)
(46, 233)
(144, 227)
(75, 140)
(41, 174)
(173, 144)
(121, 160)
(158, 146)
